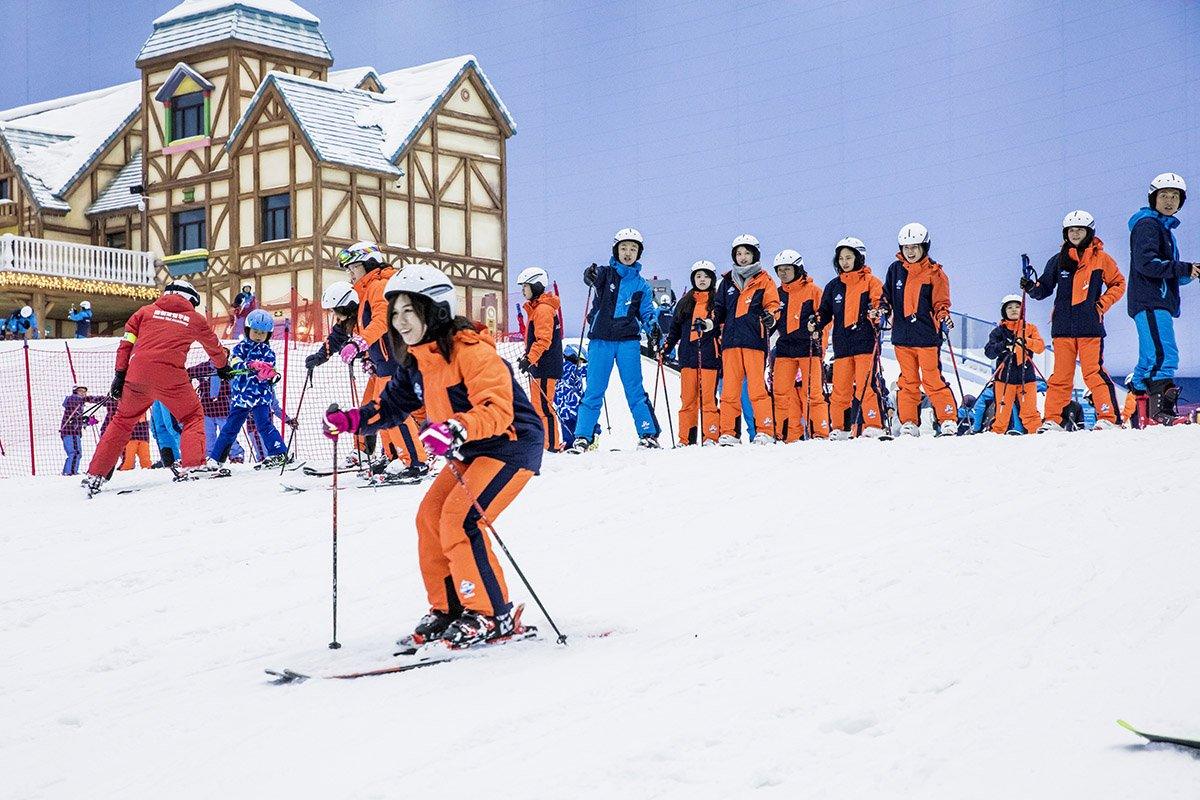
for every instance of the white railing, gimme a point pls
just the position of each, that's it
(69, 260)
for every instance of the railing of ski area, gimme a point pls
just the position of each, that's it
(36, 377)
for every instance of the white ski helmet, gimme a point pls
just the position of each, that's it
(86, 305)
(428, 281)
(704, 265)
(1078, 219)
(338, 294)
(628, 235)
(748, 241)
(913, 233)
(1168, 180)
(362, 252)
(535, 278)
(1008, 298)
(26, 312)
(183, 289)
(853, 244)
(789, 258)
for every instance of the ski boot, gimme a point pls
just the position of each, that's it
(93, 484)
(272, 462)
(430, 627)
(948, 428)
(728, 441)
(578, 446)
(910, 429)
(764, 438)
(649, 443)
(839, 435)
(876, 433)
(1050, 426)
(1161, 397)
(472, 628)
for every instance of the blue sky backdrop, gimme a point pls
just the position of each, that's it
(798, 122)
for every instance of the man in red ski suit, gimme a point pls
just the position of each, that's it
(149, 367)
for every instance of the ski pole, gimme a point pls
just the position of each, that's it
(699, 397)
(562, 637)
(954, 362)
(333, 645)
(292, 436)
(859, 421)
(667, 401)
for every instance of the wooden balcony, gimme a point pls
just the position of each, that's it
(76, 262)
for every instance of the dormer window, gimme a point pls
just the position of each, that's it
(187, 116)
(186, 111)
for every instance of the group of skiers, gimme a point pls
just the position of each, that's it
(740, 332)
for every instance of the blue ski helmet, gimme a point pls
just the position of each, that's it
(260, 320)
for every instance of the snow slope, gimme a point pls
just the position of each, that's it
(927, 618)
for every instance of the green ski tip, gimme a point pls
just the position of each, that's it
(1128, 727)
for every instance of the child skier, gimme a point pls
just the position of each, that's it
(253, 389)
(851, 303)
(481, 421)
(72, 425)
(747, 308)
(796, 372)
(624, 304)
(82, 319)
(137, 451)
(568, 393)
(916, 293)
(694, 331)
(1085, 283)
(1011, 344)
(1155, 275)
(370, 272)
(543, 358)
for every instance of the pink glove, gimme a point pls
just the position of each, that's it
(444, 438)
(355, 346)
(338, 421)
(265, 371)
(368, 366)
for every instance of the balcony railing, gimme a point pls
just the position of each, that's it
(81, 261)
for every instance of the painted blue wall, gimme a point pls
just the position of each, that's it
(799, 122)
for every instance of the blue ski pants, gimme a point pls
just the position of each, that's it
(627, 356)
(1158, 355)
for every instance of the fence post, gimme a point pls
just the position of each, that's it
(29, 411)
(287, 329)
(70, 363)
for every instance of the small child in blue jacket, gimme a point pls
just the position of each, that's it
(253, 392)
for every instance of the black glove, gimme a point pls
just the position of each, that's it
(768, 320)
(315, 360)
(702, 326)
(589, 275)
(118, 385)
(225, 373)
(1028, 283)
(523, 364)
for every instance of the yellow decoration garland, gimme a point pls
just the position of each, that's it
(55, 283)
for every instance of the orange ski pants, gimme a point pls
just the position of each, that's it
(402, 441)
(803, 405)
(1009, 393)
(1090, 353)
(922, 366)
(541, 394)
(698, 396)
(743, 364)
(853, 379)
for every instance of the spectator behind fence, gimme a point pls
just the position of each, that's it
(75, 416)
(82, 319)
(214, 399)
(243, 303)
(23, 322)
(138, 448)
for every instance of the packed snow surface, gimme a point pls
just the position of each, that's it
(951, 618)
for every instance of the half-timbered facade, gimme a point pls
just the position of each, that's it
(241, 158)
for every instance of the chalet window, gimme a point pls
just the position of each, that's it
(5, 189)
(187, 116)
(276, 217)
(115, 239)
(189, 230)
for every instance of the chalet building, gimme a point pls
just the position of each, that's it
(241, 157)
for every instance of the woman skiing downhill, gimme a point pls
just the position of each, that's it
(482, 421)
(851, 303)
(1085, 283)
(1011, 344)
(694, 331)
(624, 306)
(916, 293)
(796, 369)
(747, 308)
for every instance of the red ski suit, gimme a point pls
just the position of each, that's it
(152, 354)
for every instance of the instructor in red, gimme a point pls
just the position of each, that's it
(150, 363)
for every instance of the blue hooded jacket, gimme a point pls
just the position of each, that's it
(83, 322)
(248, 391)
(1155, 271)
(624, 303)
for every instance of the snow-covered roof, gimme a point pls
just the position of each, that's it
(352, 78)
(364, 129)
(192, 8)
(415, 92)
(54, 143)
(117, 195)
(279, 24)
(326, 116)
